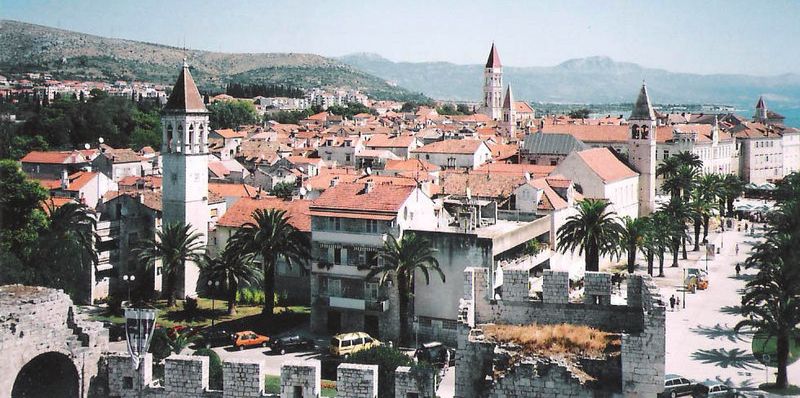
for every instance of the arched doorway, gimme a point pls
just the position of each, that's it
(50, 374)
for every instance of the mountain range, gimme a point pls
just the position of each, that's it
(585, 80)
(27, 47)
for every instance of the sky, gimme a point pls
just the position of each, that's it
(734, 36)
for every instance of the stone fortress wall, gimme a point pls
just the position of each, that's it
(36, 323)
(640, 321)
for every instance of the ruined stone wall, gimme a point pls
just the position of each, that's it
(516, 285)
(36, 320)
(541, 380)
(473, 364)
(406, 381)
(643, 353)
(356, 381)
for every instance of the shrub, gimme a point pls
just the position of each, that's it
(190, 307)
(250, 296)
(214, 368)
(387, 359)
(160, 345)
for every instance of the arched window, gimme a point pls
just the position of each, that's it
(635, 131)
(645, 132)
(169, 137)
(192, 138)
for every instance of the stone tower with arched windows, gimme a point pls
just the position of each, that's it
(493, 86)
(184, 151)
(642, 149)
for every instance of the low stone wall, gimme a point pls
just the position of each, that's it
(186, 375)
(302, 377)
(406, 381)
(555, 287)
(356, 381)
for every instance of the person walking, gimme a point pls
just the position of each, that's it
(737, 249)
(672, 303)
(738, 269)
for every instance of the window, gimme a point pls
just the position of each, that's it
(298, 392)
(553, 162)
(372, 226)
(346, 158)
(337, 255)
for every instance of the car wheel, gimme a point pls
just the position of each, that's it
(241, 347)
(264, 344)
(673, 394)
(283, 351)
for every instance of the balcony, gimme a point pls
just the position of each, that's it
(354, 304)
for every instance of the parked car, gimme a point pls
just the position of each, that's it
(712, 388)
(342, 345)
(436, 353)
(247, 339)
(282, 345)
(215, 338)
(181, 329)
(676, 385)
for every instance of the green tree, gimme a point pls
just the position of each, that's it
(175, 245)
(632, 238)
(231, 268)
(771, 301)
(67, 248)
(711, 192)
(732, 188)
(270, 236)
(214, 367)
(388, 360)
(283, 190)
(593, 230)
(21, 216)
(160, 345)
(677, 213)
(232, 114)
(657, 240)
(579, 113)
(401, 259)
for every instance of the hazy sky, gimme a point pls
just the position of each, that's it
(732, 36)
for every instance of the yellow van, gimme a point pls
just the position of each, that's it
(342, 345)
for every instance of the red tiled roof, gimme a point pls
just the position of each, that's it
(503, 151)
(480, 185)
(55, 202)
(535, 170)
(465, 146)
(232, 190)
(80, 179)
(352, 197)
(242, 212)
(230, 133)
(384, 141)
(54, 157)
(122, 155)
(522, 107)
(494, 58)
(149, 182)
(410, 165)
(218, 168)
(606, 165)
(185, 97)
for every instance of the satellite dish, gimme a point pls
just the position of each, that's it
(527, 176)
(369, 171)
(303, 191)
(87, 146)
(101, 140)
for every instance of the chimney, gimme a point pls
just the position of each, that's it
(334, 181)
(141, 197)
(369, 186)
(64, 179)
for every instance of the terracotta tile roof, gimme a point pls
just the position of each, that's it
(606, 165)
(230, 133)
(151, 199)
(242, 212)
(465, 147)
(558, 181)
(535, 170)
(55, 202)
(132, 182)
(122, 155)
(522, 107)
(185, 97)
(410, 165)
(755, 130)
(322, 116)
(49, 184)
(550, 200)
(232, 190)
(218, 169)
(503, 151)
(480, 185)
(384, 141)
(80, 179)
(304, 160)
(354, 198)
(55, 157)
(147, 150)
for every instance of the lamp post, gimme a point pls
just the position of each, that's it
(706, 257)
(211, 286)
(129, 278)
(684, 287)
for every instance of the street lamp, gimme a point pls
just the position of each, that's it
(684, 287)
(211, 286)
(129, 281)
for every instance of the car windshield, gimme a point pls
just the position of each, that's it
(334, 342)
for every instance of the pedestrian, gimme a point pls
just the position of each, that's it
(737, 249)
(672, 303)
(745, 227)
(738, 269)
(678, 302)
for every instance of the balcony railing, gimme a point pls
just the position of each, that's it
(381, 305)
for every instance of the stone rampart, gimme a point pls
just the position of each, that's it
(301, 379)
(356, 381)
(242, 378)
(414, 382)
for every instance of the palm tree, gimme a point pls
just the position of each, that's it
(231, 268)
(771, 300)
(632, 237)
(594, 230)
(667, 167)
(271, 237)
(710, 190)
(681, 182)
(175, 245)
(701, 209)
(67, 246)
(732, 188)
(401, 260)
(676, 215)
(689, 159)
(660, 237)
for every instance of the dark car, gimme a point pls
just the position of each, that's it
(286, 344)
(711, 388)
(676, 385)
(436, 353)
(215, 338)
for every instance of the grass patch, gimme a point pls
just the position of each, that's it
(761, 345)
(790, 391)
(556, 339)
(272, 385)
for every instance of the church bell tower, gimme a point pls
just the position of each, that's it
(184, 148)
(642, 149)
(493, 86)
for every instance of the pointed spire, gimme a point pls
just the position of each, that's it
(185, 98)
(643, 110)
(508, 102)
(494, 58)
(761, 104)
